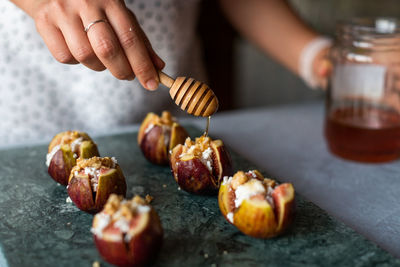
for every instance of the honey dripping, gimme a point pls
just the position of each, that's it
(207, 126)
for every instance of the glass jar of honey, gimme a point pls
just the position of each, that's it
(362, 120)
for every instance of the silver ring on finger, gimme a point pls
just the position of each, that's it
(87, 28)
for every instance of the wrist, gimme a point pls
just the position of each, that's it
(314, 65)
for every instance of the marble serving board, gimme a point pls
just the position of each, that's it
(38, 227)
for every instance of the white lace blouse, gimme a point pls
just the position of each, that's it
(40, 96)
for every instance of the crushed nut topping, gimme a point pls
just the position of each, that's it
(72, 138)
(95, 162)
(69, 138)
(196, 147)
(119, 212)
(166, 118)
(92, 167)
(117, 207)
(238, 179)
(149, 199)
(201, 149)
(250, 184)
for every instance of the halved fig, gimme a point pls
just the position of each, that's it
(63, 151)
(199, 166)
(93, 180)
(158, 135)
(127, 232)
(257, 206)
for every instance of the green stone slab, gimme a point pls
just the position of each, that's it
(38, 227)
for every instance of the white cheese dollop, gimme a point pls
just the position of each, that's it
(230, 216)
(75, 144)
(206, 158)
(50, 155)
(227, 180)
(148, 129)
(143, 209)
(103, 220)
(94, 177)
(122, 224)
(114, 160)
(247, 190)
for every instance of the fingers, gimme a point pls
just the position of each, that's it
(132, 42)
(323, 72)
(79, 45)
(106, 46)
(119, 45)
(157, 61)
(55, 41)
(325, 68)
(322, 68)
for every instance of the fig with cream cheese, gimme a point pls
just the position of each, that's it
(127, 232)
(257, 206)
(63, 151)
(199, 166)
(93, 180)
(158, 135)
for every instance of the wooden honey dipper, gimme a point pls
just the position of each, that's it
(194, 97)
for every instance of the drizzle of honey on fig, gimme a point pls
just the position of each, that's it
(207, 126)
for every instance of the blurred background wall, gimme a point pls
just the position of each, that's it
(243, 76)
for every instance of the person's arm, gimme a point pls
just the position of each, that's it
(275, 28)
(117, 42)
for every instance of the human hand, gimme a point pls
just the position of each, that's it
(118, 43)
(322, 68)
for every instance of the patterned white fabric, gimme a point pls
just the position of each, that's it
(40, 96)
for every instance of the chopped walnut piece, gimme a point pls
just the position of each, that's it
(238, 179)
(118, 208)
(166, 118)
(138, 200)
(95, 162)
(196, 147)
(269, 183)
(149, 199)
(112, 204)
(68, 137)
(124, 212)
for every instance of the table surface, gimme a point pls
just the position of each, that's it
(288, 142)
(38, 227)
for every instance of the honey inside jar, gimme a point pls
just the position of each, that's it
(362, 121)
(367, 134)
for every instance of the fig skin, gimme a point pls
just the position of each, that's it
(153, 146)
(63, 160)
(256, 219)
(140, 250)
(61, 165)
(256, 216)
(158, 135)
(192, 174)
(283, 197)
(111, 181)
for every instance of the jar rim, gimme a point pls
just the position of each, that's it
(373, 26)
